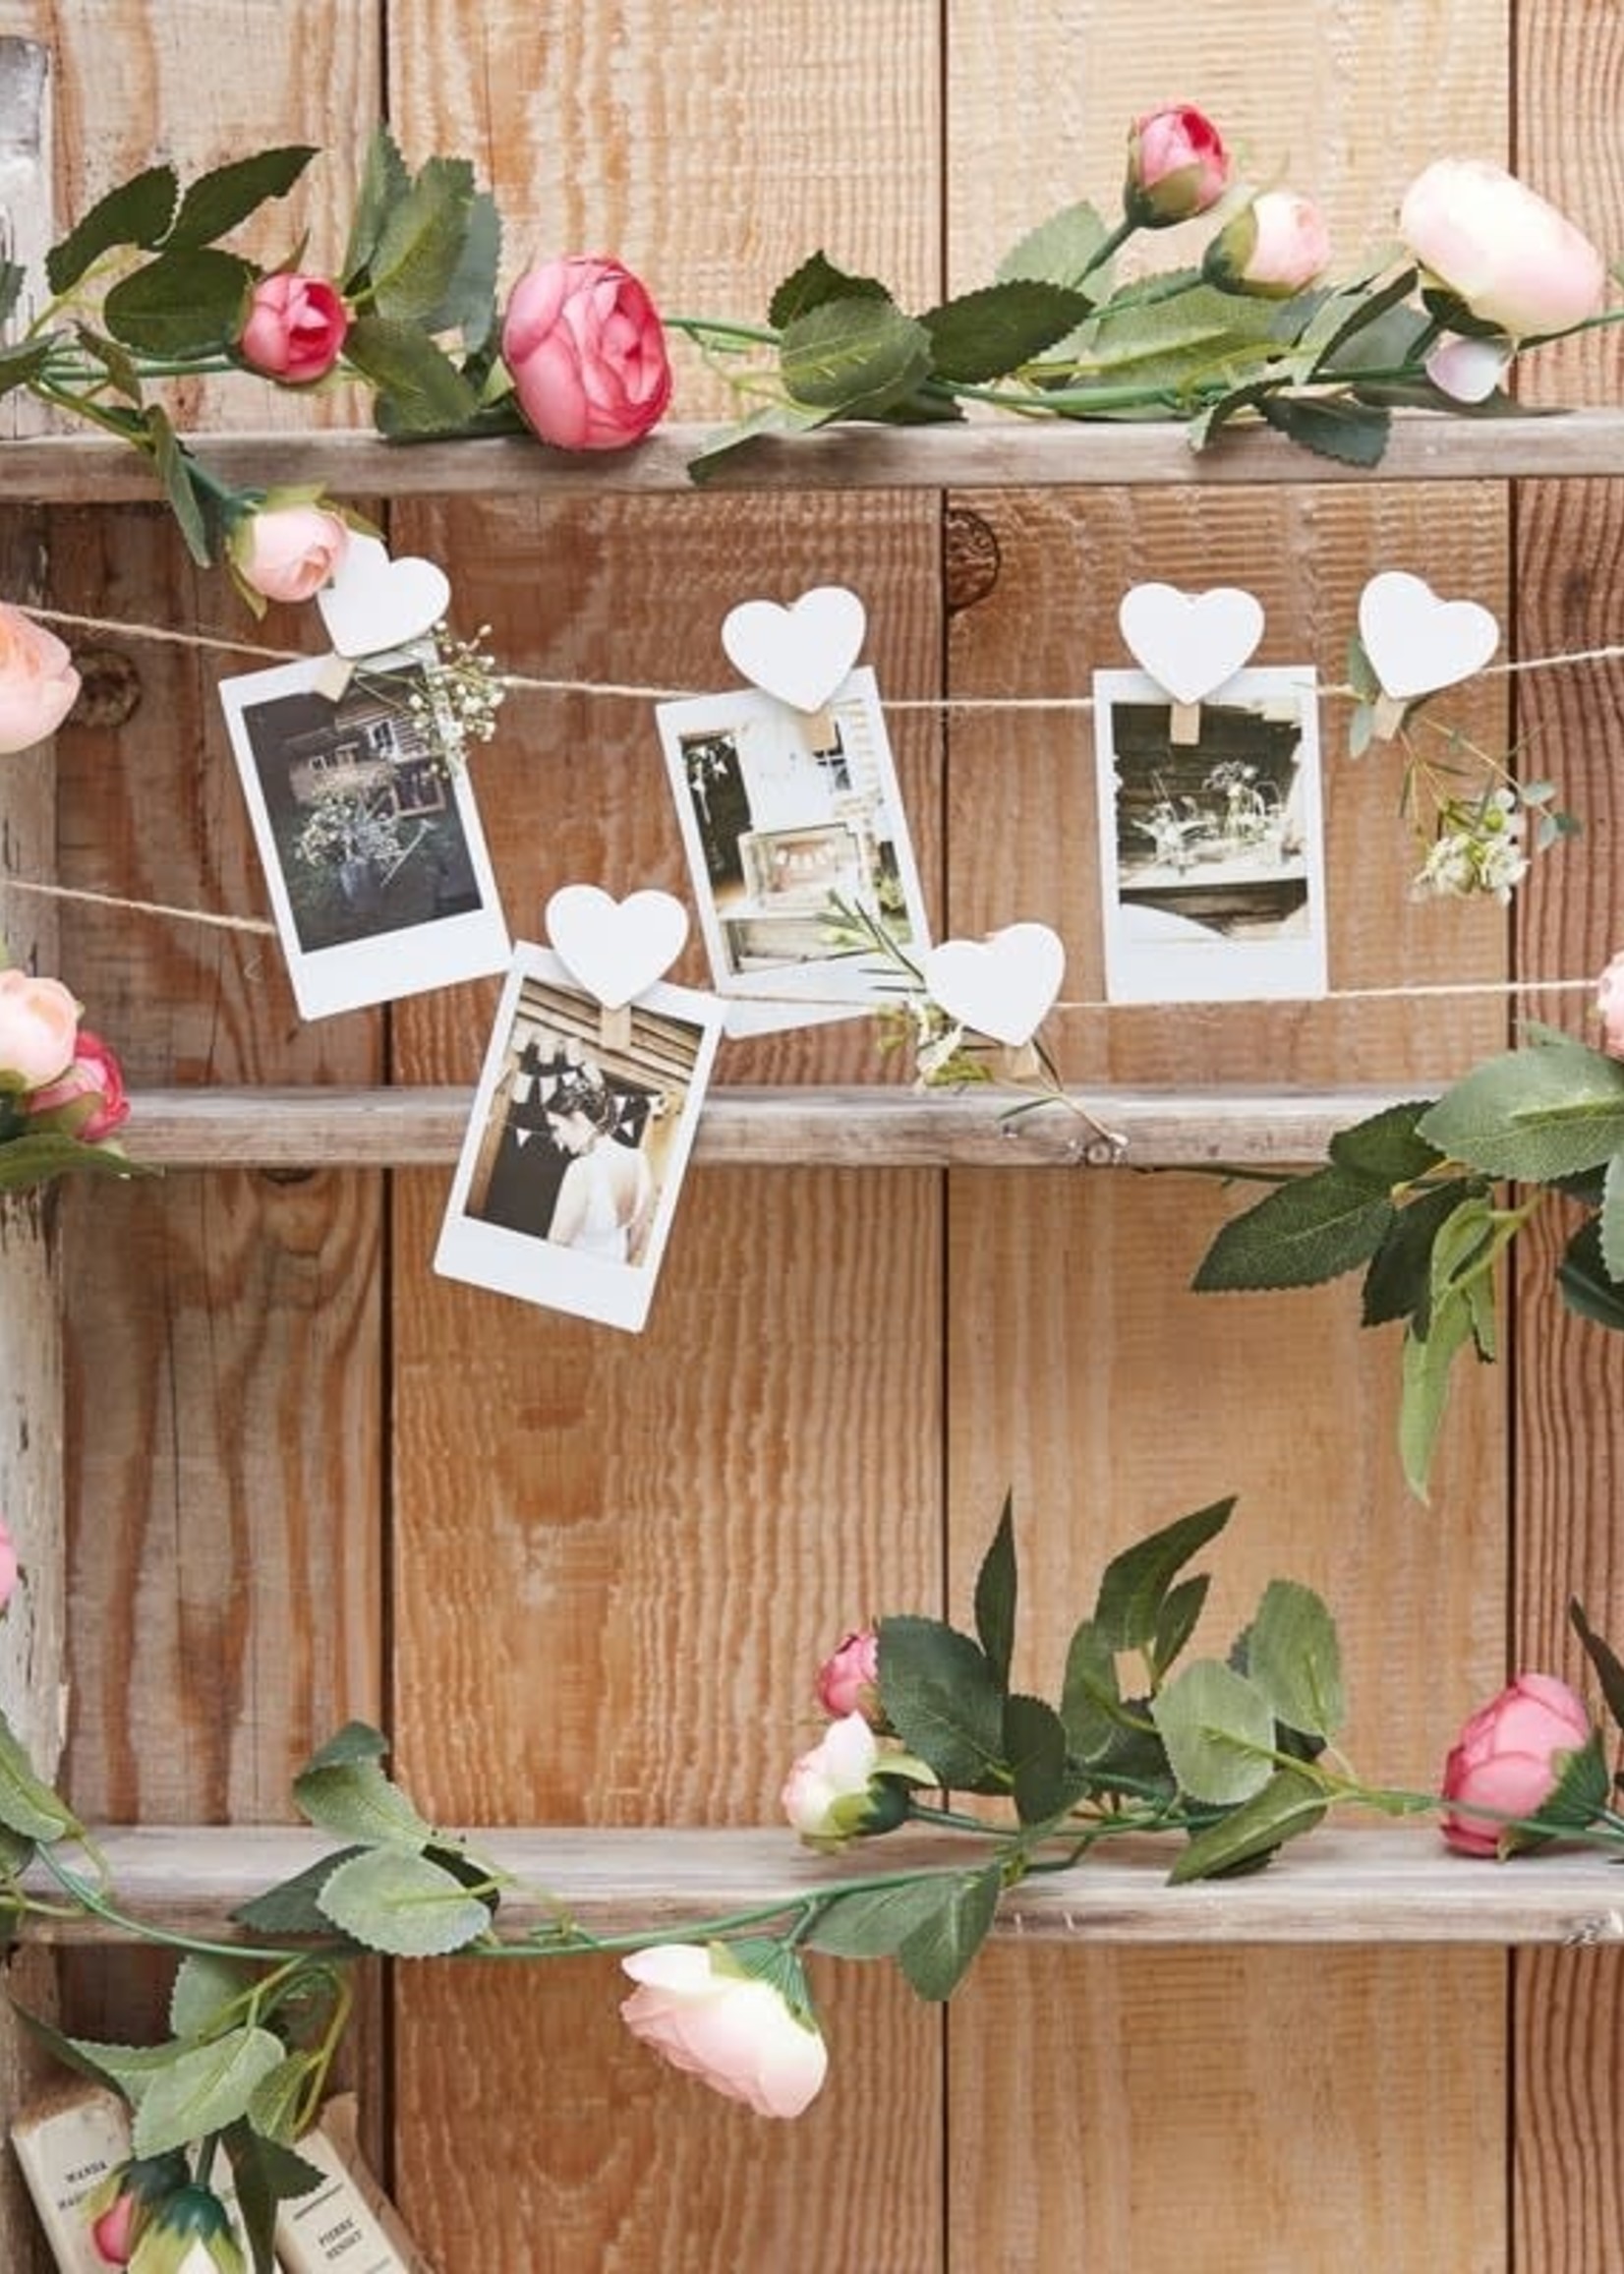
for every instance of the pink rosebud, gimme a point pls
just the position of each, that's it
(848, 1679)
(731, 2031)
(850, 1785)
(1509, 1759)
(1273, 247)
(39, 684)
(586, 354)
(288, 552)
(90, 1097)
(1514, 260)
(38, 1029)
(1177, 166)
(113, 2235)
(10, 1567)
(295, 329)
(1609, 1003)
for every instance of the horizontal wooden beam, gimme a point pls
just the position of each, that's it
(1346, 1885)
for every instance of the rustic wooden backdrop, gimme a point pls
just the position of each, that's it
(586, 1578)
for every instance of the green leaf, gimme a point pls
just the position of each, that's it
(1343, 316)
(384, 181)
(137, 212)
(1609, 1668)
(1578, 1797)
(1058, 250)
(1423, 1388)
(127, 2070)
(399, 1902)
(1398, 1283)
(1589, 1289)
(1090, 1705)
(1387, 1149)
(942, 1700)
(16, 1852)
(468, 305)
(216, 202)
(277, 2106)
(1034, 1746)
(419, 246)
(1353, 433)
(853, 357)
(981, 335)
(13, 277)
(1288, 1805)
(355, 1741)
(995, 1598)
(182, 304)
(1307, 1230)
(1294, 1659)
(815, 281)
(265, 2173)
(875, 1923)
(26, 1161)
(1553, 1110)
(771, 419)
(28, 1805)
(204, 2088)
(356, 1800)
(420, 389)
(1176, 1621)
(1134, 1584)
(113, 358)
(935, 1955)
(23, 362)
(1218, 1729)
(291, 1907)
(174, 471)
(1175, 341)
(205, 1983)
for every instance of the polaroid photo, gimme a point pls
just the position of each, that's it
(786, 817)
(577, 1143)
(368, 833)
(1211, 852)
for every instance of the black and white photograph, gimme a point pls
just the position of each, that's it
(577, 1143)
(787, 817)
(368, 833)
(1211, 847)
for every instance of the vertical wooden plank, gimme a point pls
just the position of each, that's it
(1080, 1370)
(1568, 2079)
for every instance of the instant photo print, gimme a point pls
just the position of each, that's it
(373, 856)
(578, 1142)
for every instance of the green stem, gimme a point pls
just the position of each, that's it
(142, 1930)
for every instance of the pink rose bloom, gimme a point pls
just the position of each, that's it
(39, 684)
(113, 2235)
(586, 353)
(296, 326)
(850, 1785)
(848, 1679)
(1509, 1757)
(1273, 247)
(288, 552)
(1468, 371)
(10, 1567)
(1177, 166)
(1514, 260)
(38, 1029)
(733, 2031)
(1609, 1003)
(89, 1096)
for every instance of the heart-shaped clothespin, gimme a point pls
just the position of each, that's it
(800, 654)
(1417, 642)
(1191, 643)
(374, 603)
(1003, 986)
(616, 949)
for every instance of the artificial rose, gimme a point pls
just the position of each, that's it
(586, 354)
(849, 1678)
(1177, 166)
(38, 686)
(126, 2202)
(1468, 371)
(90, 1097)
(38, 1029)
(295, 329)
(113, 2235)
(288, 552)
(1273, 247)
(1609, 1003)
(1514, 260)
(850, 1784)
(732, 2030)
(1509, 1759)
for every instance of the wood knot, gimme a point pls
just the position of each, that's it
(972, 559)
(109, 691)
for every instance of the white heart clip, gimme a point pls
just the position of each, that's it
(1003, 986)
(1417, 642)
(616, 949)
(1189, 642)
(798, 654)
(374, 602)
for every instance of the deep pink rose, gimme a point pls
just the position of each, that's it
(586, 354)
(1609, 1003)
(38, 1029)
(1509, 1757)
(849, 1678)
(1272, 248)
(39, 684)
(295, 329)
(89, 1096)
(288, 552)
(1514, 260)
(731, 2031)
(1177, 166)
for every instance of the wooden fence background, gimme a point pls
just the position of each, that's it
(585, 1578)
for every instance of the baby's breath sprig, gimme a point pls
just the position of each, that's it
(461, 693)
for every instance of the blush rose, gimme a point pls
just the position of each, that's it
(295, 329)
(586, 354)
(1515, 260)
(1509, 1760)
(38, 1029)
(89, 1096)
(731, 2031)
(39, 684)
(1275, 246)
(1177, 166)
(288, 553)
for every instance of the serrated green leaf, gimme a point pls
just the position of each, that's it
(1399, 1281)
(265, 2173)
(420, 389)
(985, 335)
(384, 181)
(853, 357)
(290, 1908)
(1579, 1796)
(1553, 1110)
(1587, 1288)
(994, 1596)
(771, 419)
(1042, 1782)
(1168, 340)
(137, 212)
(420, 245)
(202, 2089)
(216, 202)
(815, 281)
(1343, 316)
(1293, 1656)
(1058, 250)
(468, 305)
(277, 2105)
(935, 1955)
(182, 304)
(1218, 1729)
(397, 1902)
(1090, 1705)
(28, 1805)
(1175, 1620)
(1352, 433)
(942, 1700)
(1134, 1584)
(875, 1923)
(1307, 1230)
(1609, 1667)
(1423, 1387)
(1387, 1149)
(1288, 1805)
(204, 1984)
(128, 2069)
(356, 1800)
(355, 1741)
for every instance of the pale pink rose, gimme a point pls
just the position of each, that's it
(1177, 166)
(1275, 246)
(586, 354)
(733, 2031)
(39, 684)
(89, 1096)
(295, 329)
(1609, 1003)
(1513, 259)
(289, 551)
(1509, 1757)
(850, 1784)
(1468, 371)
(849, 1678)
(38, 1029)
